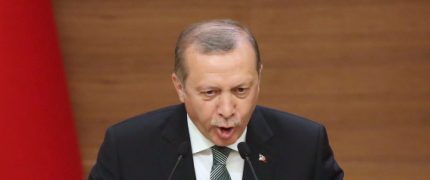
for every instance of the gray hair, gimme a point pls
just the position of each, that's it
(215, 36)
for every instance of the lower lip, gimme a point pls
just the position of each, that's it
(225, 133)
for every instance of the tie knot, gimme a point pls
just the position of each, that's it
(220, 154)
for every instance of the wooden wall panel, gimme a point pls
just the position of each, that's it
(361, 67)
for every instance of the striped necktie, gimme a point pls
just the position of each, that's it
(219, 169)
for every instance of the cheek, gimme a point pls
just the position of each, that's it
(205, 111)
(246, 106)
(208, 110)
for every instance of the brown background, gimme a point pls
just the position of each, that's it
(361, 67)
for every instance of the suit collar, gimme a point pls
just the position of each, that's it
(175, 132)
(263, 156)
(259, 130)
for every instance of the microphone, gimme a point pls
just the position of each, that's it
(244, 152)
(182, 150)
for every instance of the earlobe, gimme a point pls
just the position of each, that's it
(260, 71)
(178, 87)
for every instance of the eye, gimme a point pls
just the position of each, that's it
(241, 91)
(209, 93)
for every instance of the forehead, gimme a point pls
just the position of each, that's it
(238, 64)
(241, 54)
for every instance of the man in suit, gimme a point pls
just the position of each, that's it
(217, 78)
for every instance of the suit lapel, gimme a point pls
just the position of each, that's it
(176, 132)
(258, 139)
(263, 156)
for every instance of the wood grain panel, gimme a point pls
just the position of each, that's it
(361, 67)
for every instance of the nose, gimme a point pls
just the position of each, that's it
(226, 106)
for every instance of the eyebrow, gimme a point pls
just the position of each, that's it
(249, 83)
(199, 88)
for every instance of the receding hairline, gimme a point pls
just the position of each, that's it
(239, 40)
(236, 31)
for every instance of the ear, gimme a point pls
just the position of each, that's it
(178, 87)
(260, 71)
(259, 76)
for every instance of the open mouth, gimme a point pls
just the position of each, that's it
(225, 132)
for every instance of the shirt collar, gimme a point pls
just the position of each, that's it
(200, 143)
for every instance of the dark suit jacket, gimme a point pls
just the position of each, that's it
(145, 148)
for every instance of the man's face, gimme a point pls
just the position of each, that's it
(220, 92)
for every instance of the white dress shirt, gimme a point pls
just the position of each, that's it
(202, 154)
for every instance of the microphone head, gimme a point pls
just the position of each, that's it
(244, 150)
(183, 148)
